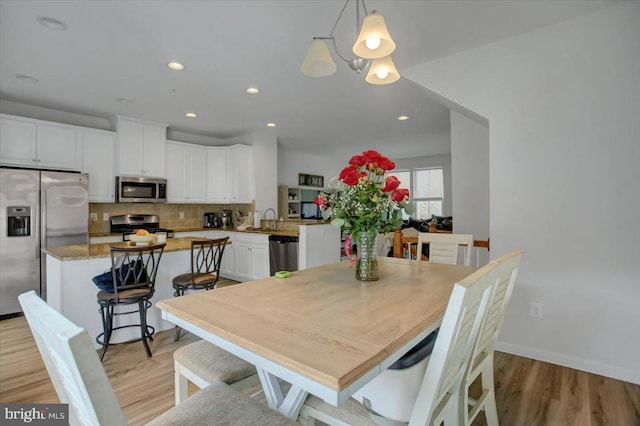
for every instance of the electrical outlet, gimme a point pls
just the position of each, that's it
(181, 215)
(93, 217)
(105, 217)
(536, 309)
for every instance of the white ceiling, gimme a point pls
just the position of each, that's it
(119, 49)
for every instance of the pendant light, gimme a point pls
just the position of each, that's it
(382, 71)
(374, 40)
(318, 61)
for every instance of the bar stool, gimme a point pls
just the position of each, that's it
(206, 256)
(133, 275)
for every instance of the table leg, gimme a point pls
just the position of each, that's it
(288, 405)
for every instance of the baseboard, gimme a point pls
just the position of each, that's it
(624, 374)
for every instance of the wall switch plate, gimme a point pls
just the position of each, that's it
(93, 217)
(181, 215)
(105, 217)
(536, 309)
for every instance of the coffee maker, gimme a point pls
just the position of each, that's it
(211, 220)
(227, 219)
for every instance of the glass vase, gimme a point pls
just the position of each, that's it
(367, 261)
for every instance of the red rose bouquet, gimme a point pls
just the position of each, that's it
(363, 199)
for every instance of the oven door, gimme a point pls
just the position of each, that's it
(140, 190)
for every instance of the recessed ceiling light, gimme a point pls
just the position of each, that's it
(191, 115)
(176, 66)
(52, 24)
(252, 90)
(27, 78)
(403, 118)
(271, 124)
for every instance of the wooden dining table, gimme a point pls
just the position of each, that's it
(321, 330)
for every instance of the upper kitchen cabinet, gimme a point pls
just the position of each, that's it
(217, 191)
(39, 144)
(230, 174)
(240, 182)
(186, 172)
(141, 147)
(99, 162)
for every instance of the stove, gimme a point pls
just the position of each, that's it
(127, 224)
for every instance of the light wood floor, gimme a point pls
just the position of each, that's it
(528, 392)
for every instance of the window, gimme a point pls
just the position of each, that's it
(426, 190)
(427, 194)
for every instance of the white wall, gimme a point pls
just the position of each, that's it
(563, 104)
(265, 167)
(470, 180)
(291, 163)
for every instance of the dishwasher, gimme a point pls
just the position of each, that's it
(283, 253)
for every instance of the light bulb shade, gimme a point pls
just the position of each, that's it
(382, 71)
(373, 27)
(318, 61)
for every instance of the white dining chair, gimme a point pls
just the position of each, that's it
(438, 395)
(203, 364)
(507, 267)
(80, 380)
(443, 248)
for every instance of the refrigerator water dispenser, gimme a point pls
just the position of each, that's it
(18, 221)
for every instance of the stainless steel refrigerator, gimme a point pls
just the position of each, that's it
(38, 209)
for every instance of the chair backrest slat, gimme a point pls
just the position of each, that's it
(73, 365)
(441, 247)
(507, 267)
(441, 386)
(206, 255)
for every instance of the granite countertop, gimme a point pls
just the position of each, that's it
(96, 251)
(288, 232)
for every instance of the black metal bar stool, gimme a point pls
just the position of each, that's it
(133, 276)
(206, 256)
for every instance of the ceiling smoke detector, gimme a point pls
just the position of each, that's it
(51, 23)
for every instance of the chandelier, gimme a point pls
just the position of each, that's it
(373, 46)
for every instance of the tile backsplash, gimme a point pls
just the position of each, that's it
(169, 213)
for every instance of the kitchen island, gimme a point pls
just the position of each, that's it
(71, 268)
(71, 291)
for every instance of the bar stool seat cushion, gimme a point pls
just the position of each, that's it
(218, 404)
(133, 295)
(213, 364)
(197, 281)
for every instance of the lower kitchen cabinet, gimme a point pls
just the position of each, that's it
(252, 256)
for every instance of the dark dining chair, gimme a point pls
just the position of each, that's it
(206, 257)
(133, 277)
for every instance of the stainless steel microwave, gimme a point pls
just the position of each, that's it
(131, 189)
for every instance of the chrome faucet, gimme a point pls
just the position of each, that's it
(274, 217)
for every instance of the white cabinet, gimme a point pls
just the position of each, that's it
(40, 144)
(186, 172)
(141, 148)
(230, 174)
(240, 174)
(17, 142)
(217, 175)
(251, 256)
(99, 162)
